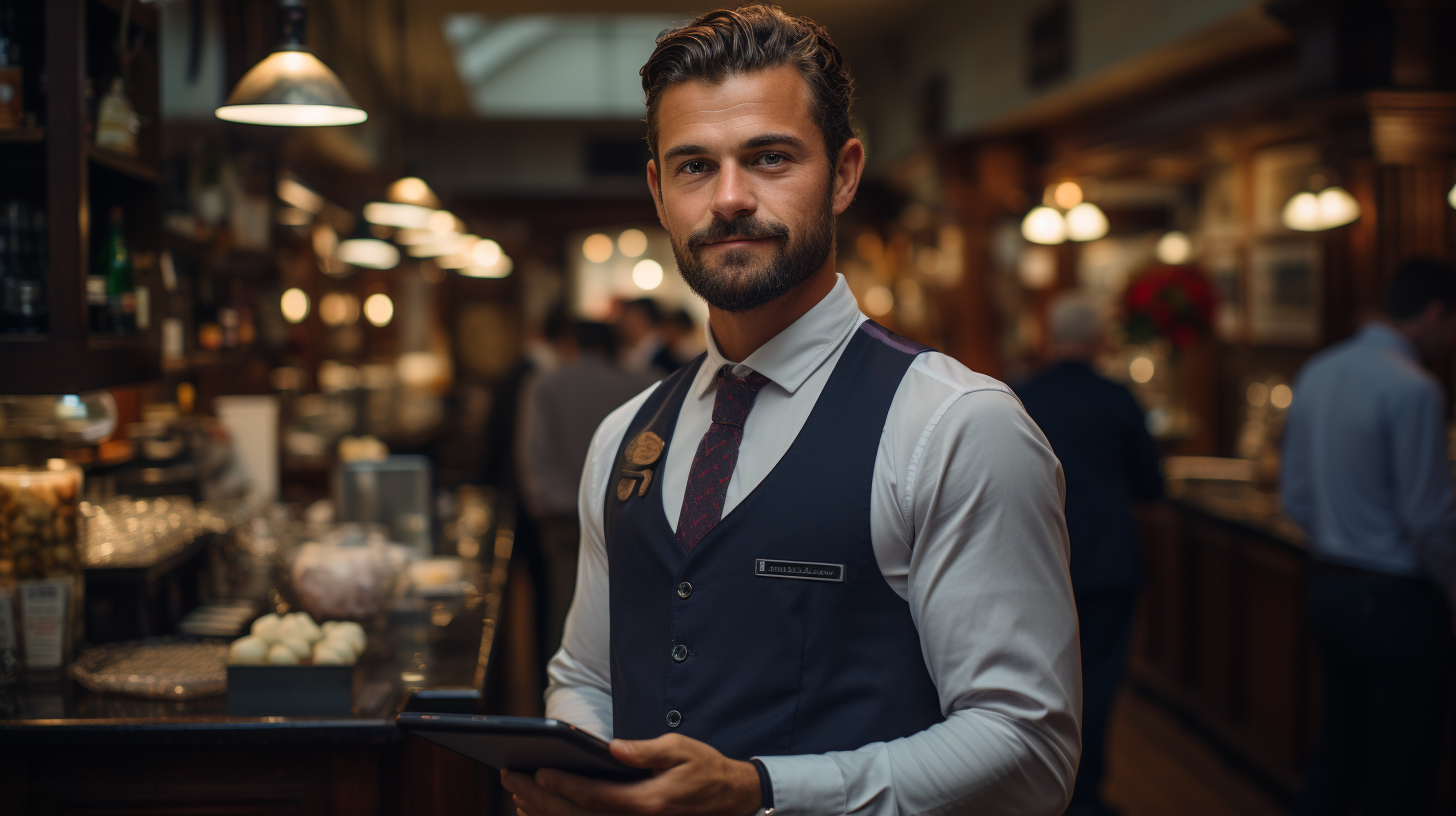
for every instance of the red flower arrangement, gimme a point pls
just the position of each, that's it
(1175, 302)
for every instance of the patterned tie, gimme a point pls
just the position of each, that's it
(717, 454)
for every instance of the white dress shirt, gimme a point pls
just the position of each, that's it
(966, 525)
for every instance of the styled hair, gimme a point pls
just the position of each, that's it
(1417, 284)
(722, 43)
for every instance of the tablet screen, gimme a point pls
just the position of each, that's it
(520, 743)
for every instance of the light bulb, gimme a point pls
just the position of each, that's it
(1301, 213)
(1337, 207)
(486, 253)
(1067, 195)
(1085, 222)
(632, 243)
(379, 309)
(1044, 225)
(370, 253)
(294, 305)
(597, 248)
(1451, 197)
(391, 214)
(647, 274)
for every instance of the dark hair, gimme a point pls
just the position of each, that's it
(648, 307)
(1417, 284)
(721, 43)
(595, 337)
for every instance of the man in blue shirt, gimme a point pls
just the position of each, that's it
(1367, 476)
(1097, 431)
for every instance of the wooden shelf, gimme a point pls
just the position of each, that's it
(32, 135)
(124, 165)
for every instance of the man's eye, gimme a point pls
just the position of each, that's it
(772, 159)
(694, 167)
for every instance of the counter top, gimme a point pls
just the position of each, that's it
(1238, 502)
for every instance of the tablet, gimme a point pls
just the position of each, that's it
(520, 743)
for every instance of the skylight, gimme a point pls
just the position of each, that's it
(554, 66)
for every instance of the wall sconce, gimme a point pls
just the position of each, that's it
(1331, 207)
(1083, 221)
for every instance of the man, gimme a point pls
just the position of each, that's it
(682, 338)
(1097, 431)
(559, 413)
(821, 571)
(1366, 476)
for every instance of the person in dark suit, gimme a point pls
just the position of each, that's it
(1097, 431)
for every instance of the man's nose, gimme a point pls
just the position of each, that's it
(733, 197)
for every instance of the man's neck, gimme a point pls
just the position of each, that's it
(739, 334)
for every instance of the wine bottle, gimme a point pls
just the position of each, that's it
(116, 266)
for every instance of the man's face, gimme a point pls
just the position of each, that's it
(744, 186)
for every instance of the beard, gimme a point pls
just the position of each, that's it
(739, 281)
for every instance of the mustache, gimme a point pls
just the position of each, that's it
(747, 228)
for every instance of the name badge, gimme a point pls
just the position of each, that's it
(802, 570)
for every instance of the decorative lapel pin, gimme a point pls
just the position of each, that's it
(642, 452)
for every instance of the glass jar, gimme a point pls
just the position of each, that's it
(41, 578)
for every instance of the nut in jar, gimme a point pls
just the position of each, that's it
(40, 565)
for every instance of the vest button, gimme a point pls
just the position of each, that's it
(674, 719)
(684, 590)
(679, 653)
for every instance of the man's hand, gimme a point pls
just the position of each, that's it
(689, 777)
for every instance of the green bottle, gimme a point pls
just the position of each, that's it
(116, 266)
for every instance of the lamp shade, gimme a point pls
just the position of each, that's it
(1044, 225)
(291, 88)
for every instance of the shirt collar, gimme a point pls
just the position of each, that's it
(796, 352)
(1383, 334)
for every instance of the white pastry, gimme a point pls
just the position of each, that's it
(281, 655)
(355, 633)
(266, 628)
(330, 654)
(340, 643)
(300, 647)
(248, 651)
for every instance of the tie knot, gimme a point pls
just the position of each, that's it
(735, 396)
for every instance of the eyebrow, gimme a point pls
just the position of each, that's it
(762, 140)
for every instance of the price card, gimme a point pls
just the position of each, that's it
(43, 615)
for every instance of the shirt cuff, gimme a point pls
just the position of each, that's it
(805, 785)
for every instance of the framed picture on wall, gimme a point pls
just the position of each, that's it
(1286, 292)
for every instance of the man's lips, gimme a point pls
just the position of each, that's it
(735, 242)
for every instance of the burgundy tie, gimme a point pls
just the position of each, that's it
(717, 454)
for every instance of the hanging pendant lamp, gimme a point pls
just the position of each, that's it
(291, 87)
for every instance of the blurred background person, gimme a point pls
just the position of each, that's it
(1110, 461)
(639, 331)
(559, 414)
(682, 337)
(1366, 475)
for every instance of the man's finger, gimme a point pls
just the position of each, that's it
(532, 798)
(656, 754)
(597, 794)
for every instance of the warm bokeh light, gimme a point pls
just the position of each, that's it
(1174, 248)
(443, 221)
(338, 309)
(378, 309)
(299, 196)
(597, 248)
(412, 190)
(500, 269)
(1308, 212)
(1257, 394)
(292, 115)
(294, 305)
(632, 243)
(1141, 370)
(293, 217)
(1281, 396)
(1086, 222)
(1067, 195)
(878, 301)
(1044, 225)
(1451, 197)
(647, 274)
(869, 246)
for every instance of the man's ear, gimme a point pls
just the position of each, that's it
(655, 187)
(848, 168)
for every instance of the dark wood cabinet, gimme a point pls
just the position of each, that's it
(56, 165)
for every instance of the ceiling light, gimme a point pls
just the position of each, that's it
(413, 190)
(1451, 197)
(378, 309)
(597, 248)
(436, 246)
(293, 217)
(1044, 225)
(338, 309)
(291, 87)
(1337, 207)
(1086, 222)
(647, 274)
(363, 249)
(486, 253)
(632, 242)
(393, 214)
(1174, 248)
(500, 269)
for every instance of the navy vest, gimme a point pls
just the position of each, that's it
(718, 644)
